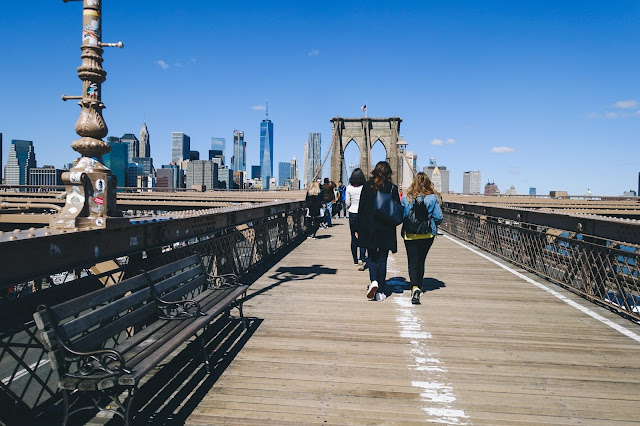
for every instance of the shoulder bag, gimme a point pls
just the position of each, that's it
(386, 210)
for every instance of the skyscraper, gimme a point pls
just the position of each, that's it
(117, 160)
(219, 144)
(45, 176)
(295, 178)
(266, 151)
(312, 157)
(134, 146)
(284, 172)
(239, 159)
(471, 182)
(180, 146)
(442, 175)
(145, 148)
(200, 172)
(255, 172)
(21, 159)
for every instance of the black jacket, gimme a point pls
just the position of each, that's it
(314, 202)
(371, 232)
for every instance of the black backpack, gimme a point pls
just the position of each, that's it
(417, 222)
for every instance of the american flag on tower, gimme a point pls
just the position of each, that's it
(364, 108)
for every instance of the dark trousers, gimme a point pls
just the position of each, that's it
(353, 218)
(377, 263)
(416, 255)
(313, 223)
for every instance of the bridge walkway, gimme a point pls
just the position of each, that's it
(486, 346)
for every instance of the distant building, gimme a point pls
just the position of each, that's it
(0, 157)
(491, 189)
(216, 153)
(165, 178)
(272, 183)
(201, 172)
(194, 155)
(134, 146)
(22, 158)
(630, 193)
(284, 172)
(439, 175)
(266, 151)
(295, 179)
(239, 159)
(145, 147)
(175, 175)
(239, 179)
(219, 144)
(511, 191)
(312, 162)
(145, 164)
(116, 160)
(180, 147)
(225, 178)
(133, 171)
(472, 182)
(255, 172)
(532, 191)
(45, 176)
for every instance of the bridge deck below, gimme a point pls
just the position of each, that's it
(485, 347)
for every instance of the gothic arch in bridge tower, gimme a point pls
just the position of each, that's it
(364, 132)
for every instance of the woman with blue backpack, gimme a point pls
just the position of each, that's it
(422, 215)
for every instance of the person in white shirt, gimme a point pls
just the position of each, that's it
(352, 201)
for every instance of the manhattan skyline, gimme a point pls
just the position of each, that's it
(533, 94)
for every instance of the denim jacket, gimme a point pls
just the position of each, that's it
(433, 207)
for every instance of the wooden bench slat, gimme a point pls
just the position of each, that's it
(98, 297)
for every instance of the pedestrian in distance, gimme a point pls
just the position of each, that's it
(329, 198)
(352, 202)
(422, 215)
(314, 201)
(377, 236)
(341, 199)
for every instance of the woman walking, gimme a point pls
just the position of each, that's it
(352, 201)
(422, 215)
(376, 236)
(314, 203)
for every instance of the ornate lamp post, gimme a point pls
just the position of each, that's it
(90, 186)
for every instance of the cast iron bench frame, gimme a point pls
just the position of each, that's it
(106, 341)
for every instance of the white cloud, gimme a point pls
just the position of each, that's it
(593, 115)
(437, 142)
(611, 115)
(314, 52)
(501, 149)
(626, 104)
(258, 108)
(163, 64)
(450, 141)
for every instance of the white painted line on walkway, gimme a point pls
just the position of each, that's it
(24, 372)
(569, 302)
(437, 395)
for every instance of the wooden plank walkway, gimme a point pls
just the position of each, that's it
(485, 347)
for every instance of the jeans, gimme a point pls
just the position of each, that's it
(353, 217)
(416, 255)
(377, 263)
(328, 213)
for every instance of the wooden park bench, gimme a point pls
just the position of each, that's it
(104, 342)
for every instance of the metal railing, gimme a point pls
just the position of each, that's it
(599, 268)
(234, 241)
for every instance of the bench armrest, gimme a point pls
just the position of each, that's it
(97, 364)
(222, 281)
(176, 310)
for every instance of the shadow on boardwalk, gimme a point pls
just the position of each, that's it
(400, 284)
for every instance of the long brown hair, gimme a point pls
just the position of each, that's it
(422, 185)
(381, 172)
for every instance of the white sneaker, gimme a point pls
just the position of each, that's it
(372, 289)
(360, 265)
(380, 296)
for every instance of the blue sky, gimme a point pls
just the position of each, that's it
(531, 93)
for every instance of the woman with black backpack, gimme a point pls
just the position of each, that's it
(422, 215)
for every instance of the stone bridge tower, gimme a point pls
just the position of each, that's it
(364, 132)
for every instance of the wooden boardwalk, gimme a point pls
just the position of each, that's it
(485, 347)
